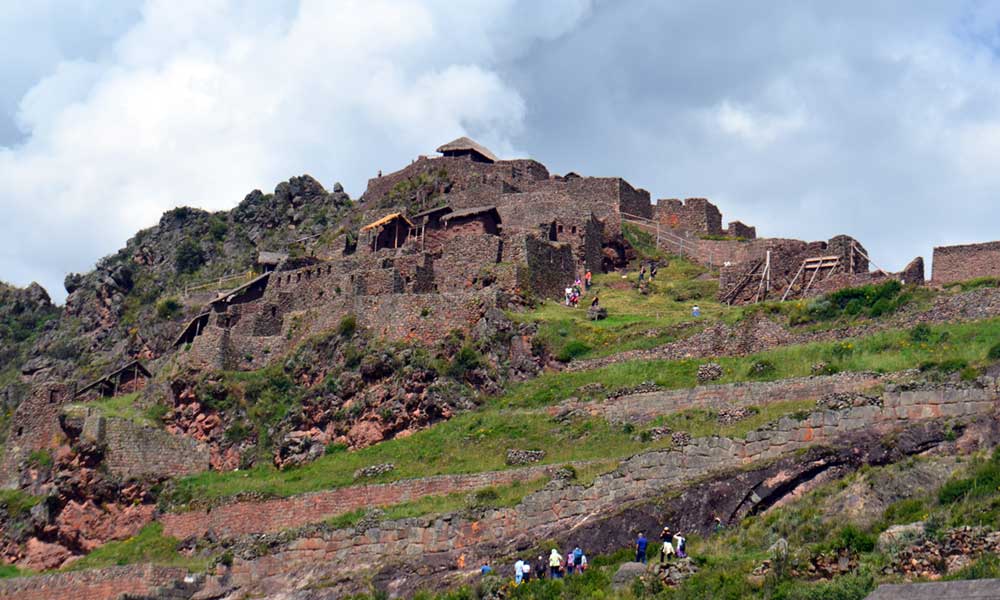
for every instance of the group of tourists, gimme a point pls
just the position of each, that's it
(575, 291)
(556, 566)
(672, 544)
(652, 272)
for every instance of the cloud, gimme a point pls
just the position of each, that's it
(198, 102)
(880, 120)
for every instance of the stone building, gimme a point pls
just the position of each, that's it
(964, 262)
(463, 147)
(698, 216)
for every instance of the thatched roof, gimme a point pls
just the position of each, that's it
(387, 219)
(108, 380)
(431, 211)
(473, 212)
(464, 143)
(271, 258)
(227, 296)
(980, 589)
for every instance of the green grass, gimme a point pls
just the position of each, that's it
(7, 571)
(148, 546)
(468, 443)
(122, 407)
(886, 352)
(490, 497)
(17, 502)
(703, 423)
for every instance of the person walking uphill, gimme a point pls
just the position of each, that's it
(518, 571)
(640, 548)
(555, 564)
(587, 278)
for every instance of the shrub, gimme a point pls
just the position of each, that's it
(994, 352)
(921, 333)
(854, 307)
(167, 308)
(984, 479)
(465, 360)
(904, 511)
(335, 448)
(852, 538)
(218, 229)
(842, 350)
(41, 459)
(571, 350)
(347, 326)
(761, 368)
(189, 257)
(882, 307)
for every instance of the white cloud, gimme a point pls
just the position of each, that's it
(756, 128)
(199, 102)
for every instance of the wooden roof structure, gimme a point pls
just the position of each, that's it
(464, 144)
(270, 258)
(473, 212)
(385, 220)
(192, 325)
(228, 296)
(431, 211)
(108, 380)
(977, 589)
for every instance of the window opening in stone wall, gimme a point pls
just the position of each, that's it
(52, 396)
(274, 311)
(560, 229)
(573, 230)
(20, 431)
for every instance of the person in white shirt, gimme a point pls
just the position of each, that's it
(518, 571)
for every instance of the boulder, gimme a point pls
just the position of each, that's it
(899, 535)
(597, 313)
(626, 574)
(709, 372)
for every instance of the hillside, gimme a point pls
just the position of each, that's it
(314, 397)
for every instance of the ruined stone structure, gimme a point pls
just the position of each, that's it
(35, 427)
(698, 216)
(125, 380)
(962, 263)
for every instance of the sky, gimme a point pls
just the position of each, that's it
(806, 119)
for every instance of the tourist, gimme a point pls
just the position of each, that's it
(518, 571)
(642, 274)
(680, 545)
(595, 302)
(718, 527)
(569, 295)
(583, 563)
(652, 271)
(570, 565)
(640, 548)
(695, 311)
(486, 569)
(667, 549)
(540, 567)
(574, 299)
(587, 278)
(555, 564)
(527, 571)
(578, 559)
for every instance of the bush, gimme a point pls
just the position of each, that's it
(335, 448)
(41, 459)
(983, 480)
(921, 333)
(851, 538)
(571, 350)
(167, 308)
(994, 352)
(465, 360)
(347, 326)
(189, 257)
(904, 511)
(218, 229)
(761, 368)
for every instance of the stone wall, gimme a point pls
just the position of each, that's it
(961, 263)
(133, 450)
(550, 268)
(697, 215)
(272, 516)
(34, 426)
(738, 229)
(458, 543)
(103, 584)
(647, 406)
